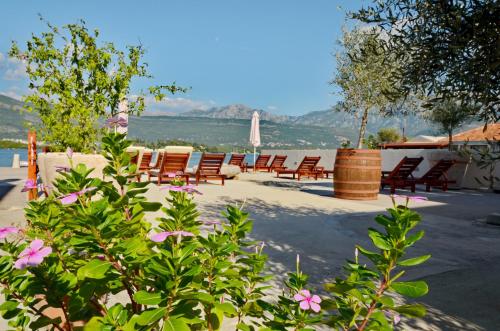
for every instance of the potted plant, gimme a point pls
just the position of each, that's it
(75, 82)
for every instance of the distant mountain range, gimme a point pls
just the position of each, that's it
(229, 126)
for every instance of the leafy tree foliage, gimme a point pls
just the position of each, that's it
(364, 73)
(450, 48)
(74, 81)
(449, 115)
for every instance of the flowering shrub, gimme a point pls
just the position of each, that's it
(89, 254)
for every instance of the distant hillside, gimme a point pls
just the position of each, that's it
(237, 112)
(234, 132)
(12, 118)
(229, 126)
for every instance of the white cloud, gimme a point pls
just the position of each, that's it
(12, 68)
(176, 105)
(272, 108)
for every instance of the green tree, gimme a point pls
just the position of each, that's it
(388, 135)
(449, 48)
(449, 115)
(75, 81)
(363, 74)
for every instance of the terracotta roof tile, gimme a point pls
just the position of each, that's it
(492, 132)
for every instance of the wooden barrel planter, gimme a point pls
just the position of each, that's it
(357, 174)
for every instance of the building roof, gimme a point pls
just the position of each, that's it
(416, 145)
(478, 134)
(425, 139)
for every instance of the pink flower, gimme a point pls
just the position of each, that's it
(4, 232)
(69, 152)
(307, 301)
(72, 197)
(396, 318)
(116, 121)
(190, 189)
(32, 255)
(161, 236)
(30, 184)
(415, 198)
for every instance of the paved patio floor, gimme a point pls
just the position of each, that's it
(303, 218)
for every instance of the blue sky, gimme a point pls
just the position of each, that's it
(267, 54)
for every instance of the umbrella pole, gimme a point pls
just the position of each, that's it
(254, 159)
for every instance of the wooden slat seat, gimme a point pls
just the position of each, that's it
(172, 166)
(209, 167)
(238, 160)
(278, 163)
(261, 162)
(437, 176)
(306, 168)
(401, 176)
(145, 164)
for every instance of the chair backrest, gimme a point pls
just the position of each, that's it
(159, 158)
(439, 169)
(308, 163)
(174, 163)
(405, 167)
(278, 161)
(145, 160)
(237, 159)
(262, 160)
(210, 163)
(134, 156)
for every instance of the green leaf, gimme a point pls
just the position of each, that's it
(147, 298)
(151, 316)
(175, 324)
(95, 269)
(411, 289)
(44, 321)
(415, 310)
(414, 261)
(226, 308)
(9, 305)
(378, 240)
(150, 206)
(414, 238)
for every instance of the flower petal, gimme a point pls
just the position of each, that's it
(298, 297)
(34, 260)
(68, 199)
(36, 244)
(315, 307)
(305, 293)
(44, 252)
(304, 305)
(21, 263)
(315, 298)
(161, 236)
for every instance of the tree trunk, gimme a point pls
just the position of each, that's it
(362, 129)
(450, 139)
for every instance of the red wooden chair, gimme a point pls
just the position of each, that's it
(238, 160)
(306, 168)
(277, 163)
(437, 176)
(401, 176)
(145, 164)
(209, 167)
(261, 162)
(172, 166)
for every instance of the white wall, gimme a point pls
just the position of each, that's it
(463, 172)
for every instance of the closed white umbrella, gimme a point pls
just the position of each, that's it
(255, 134)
